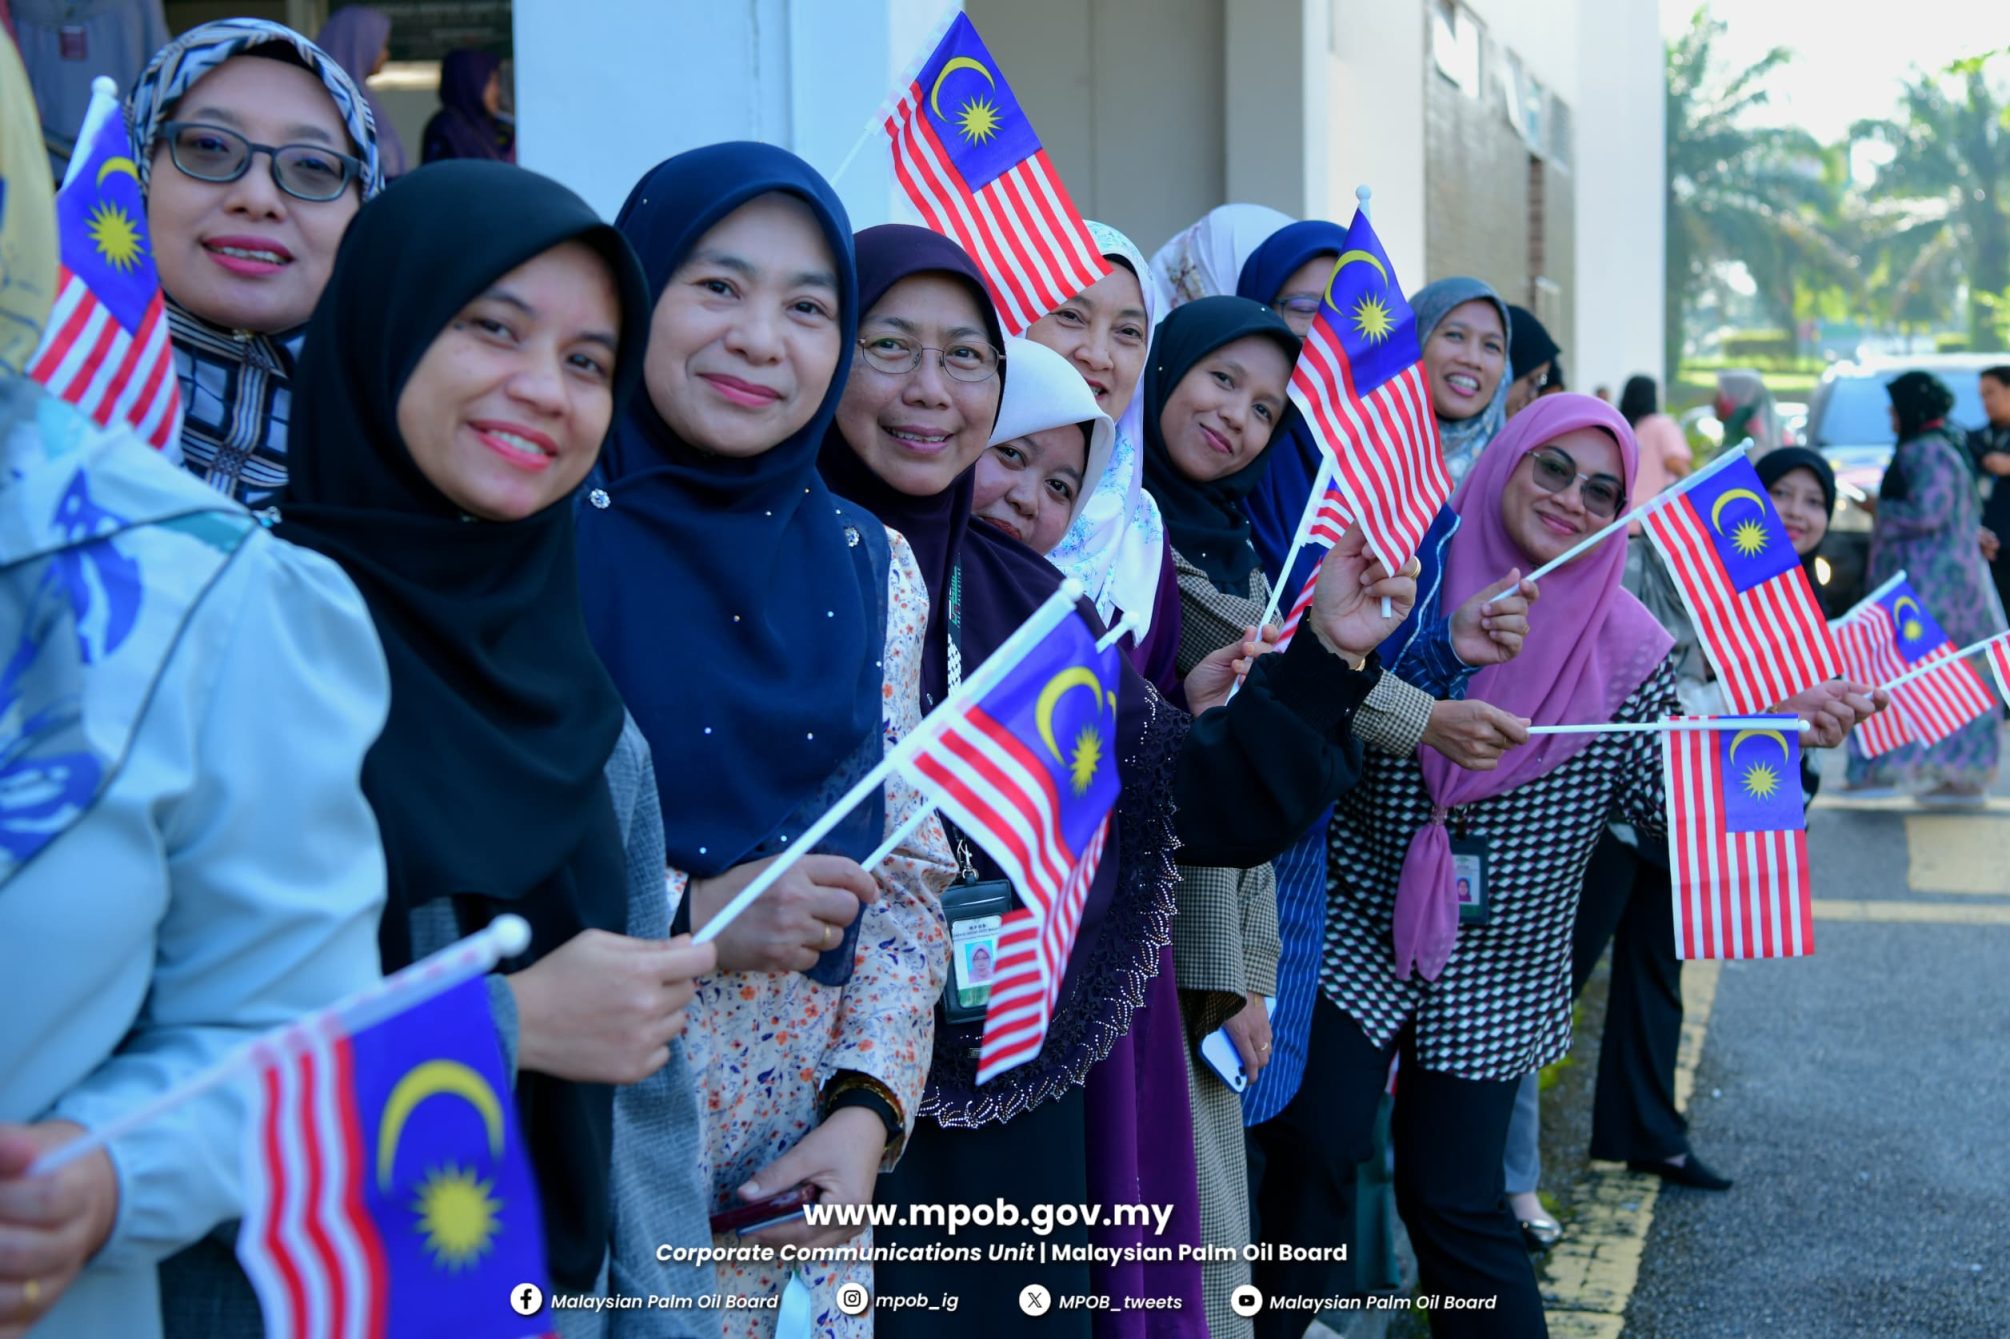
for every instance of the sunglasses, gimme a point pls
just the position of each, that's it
(1555, 472)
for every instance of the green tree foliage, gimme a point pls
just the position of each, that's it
(1940, 199)
(1739, 192)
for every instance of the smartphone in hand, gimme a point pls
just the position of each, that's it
(742, 1219)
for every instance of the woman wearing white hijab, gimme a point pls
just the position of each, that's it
(1116, 546)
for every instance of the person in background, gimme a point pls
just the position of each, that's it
(469, 123)
(245, 241)
(1929, 522)
(1664, 450)
(359, 39)
(1462, 327)
(1602, 392)
(67, 43)
(1990, 445)
(1533, 356)
(183, 701)
(1745, 407)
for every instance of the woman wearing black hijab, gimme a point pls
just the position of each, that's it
(1246, 780)
(458, 383)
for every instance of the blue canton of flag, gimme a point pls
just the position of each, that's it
(1367, 311)
(1762, 780)
(972, 108)
(1917, 635)
(101, 220)
(1742, 526)
(387, 1190)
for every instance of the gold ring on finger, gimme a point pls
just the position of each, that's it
(31, 1293)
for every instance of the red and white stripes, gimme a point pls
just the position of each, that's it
(1383, 445)
(1022, 229)
(88, 359)
(1925, 710)
(987, 781)
(1767, 643)
(1736, 894)
(306, 1240)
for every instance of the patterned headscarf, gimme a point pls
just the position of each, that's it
(235, 385)
(1206, 260)
(1116, 544)
(177, 66)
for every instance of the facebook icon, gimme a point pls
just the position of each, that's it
(526, 1299)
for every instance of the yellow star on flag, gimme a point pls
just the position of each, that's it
(115, 235)
(1748, 538)
(1372, 319)
(979, 120)
(1761, 781)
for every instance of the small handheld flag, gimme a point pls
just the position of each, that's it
(1998, 651)
(106, 348)
(1360, 384)
(1756, 615)
(1889, 636)
(1029, 770)
(966, 156)
(387, 1191)
(1737, 841)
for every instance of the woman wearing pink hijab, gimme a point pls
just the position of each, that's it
(1476, 996)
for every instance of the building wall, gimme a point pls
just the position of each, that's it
(1127, 96)
(1156, 110)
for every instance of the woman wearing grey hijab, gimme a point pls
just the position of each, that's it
(1463, 325)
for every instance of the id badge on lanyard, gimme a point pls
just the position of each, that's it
(1470, 857)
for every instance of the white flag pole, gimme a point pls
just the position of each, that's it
(1874, 597)
(1668, 727)
(875, 125)
(1044, 620)
(1945, 662)
(1652, 504)
(1298, 541)
(505, 937)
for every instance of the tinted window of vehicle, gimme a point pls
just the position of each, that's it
(1856, 411)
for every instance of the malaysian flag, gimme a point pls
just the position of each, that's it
(386, 1190)
(1737, 841)
(965, 154)
(1360, 384)
(1998, 651)
(1756, 615)
(1028, 768)
(1891, 634)
(106, 348)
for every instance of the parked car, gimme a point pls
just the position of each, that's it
(1849, 422)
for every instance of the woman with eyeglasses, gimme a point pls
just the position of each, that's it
(1232, 787)
(254, 150)
(1476, 996)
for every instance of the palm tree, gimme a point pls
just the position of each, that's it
(1947, 181)
(1738, 192)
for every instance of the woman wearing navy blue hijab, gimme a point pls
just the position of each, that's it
(767, 636)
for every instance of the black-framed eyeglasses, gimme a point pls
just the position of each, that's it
(897, 355)
(1555, 471)
(311, 172)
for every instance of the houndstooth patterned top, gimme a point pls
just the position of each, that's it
(1501, 1007)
